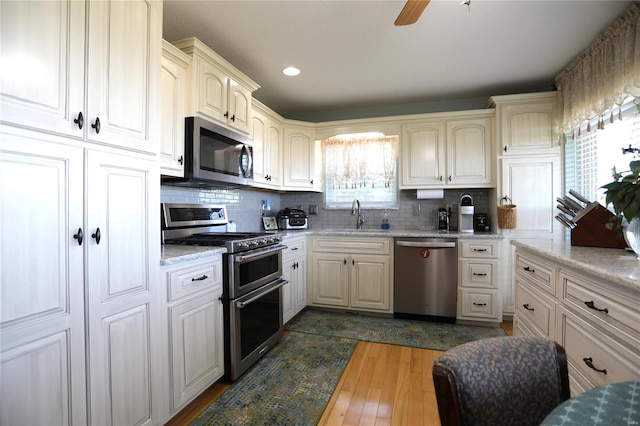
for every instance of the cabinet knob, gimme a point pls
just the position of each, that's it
(449, 178)
(80, 120)
(226, 114)
(440, 178)
(181, 160)
(79, 236)
(505, 148)
(96, 125)
(96, 236)
(233, 117)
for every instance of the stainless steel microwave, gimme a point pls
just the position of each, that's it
(214, 156)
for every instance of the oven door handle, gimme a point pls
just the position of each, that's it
(259, 253)
(276, 285)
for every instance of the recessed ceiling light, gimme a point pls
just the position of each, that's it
(291, 71)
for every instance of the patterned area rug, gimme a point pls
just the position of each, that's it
(417, 334)
(291, 385)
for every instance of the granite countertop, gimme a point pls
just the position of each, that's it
(407, 233)
(172, 254)
(176, 253)
(616, 265)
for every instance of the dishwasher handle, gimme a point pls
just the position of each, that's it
(426, 244)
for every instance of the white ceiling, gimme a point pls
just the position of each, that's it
(353, 57)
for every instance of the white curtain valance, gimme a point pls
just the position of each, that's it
(360, 162)
(604, 76)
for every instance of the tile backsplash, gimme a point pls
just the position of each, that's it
(244, 207)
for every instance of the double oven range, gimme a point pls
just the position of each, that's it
(252, 294)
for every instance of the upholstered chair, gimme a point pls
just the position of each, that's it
(500, 381)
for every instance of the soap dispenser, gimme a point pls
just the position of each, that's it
(385, 221)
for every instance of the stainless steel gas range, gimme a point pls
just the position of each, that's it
(252, 294)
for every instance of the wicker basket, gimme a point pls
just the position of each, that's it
(507, 214)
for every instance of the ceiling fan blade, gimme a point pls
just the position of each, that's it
(411, 12)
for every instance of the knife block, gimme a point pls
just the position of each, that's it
(591, 232)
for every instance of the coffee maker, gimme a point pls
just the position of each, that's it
(465, 213)
(443, 220)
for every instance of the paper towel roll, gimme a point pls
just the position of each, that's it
(424, 194)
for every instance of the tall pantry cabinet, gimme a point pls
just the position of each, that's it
(529, 173)
(79, 231)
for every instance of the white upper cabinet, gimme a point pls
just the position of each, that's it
(450, 152)
(43, 63)
(45, 66)
(267, 134)
(469, 154)
(528, 123)
(299, 158)
(174, 86)
(217, 90)
(423, 155)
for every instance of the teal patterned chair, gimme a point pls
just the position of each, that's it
(501, 381)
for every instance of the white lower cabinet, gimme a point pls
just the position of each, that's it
(294, 270)
(79, 310)
(195, 328)
(595, 320)
(351, 273)
(478, 289)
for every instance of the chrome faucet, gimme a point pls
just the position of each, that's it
(355, 209)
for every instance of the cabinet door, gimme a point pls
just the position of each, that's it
(369, 282)
(300, 285)
(259, 135)
(469, 154)
(197, 346)
(423, 155)
(330, 279)
(527, 128)
(124, 73)
(299, 158)
(212, 91)
(288, 273)
(275, 137)
(533, 184)
(121, 288)
(42, 357)
(239, 109)
(42, 77)
(174, 85)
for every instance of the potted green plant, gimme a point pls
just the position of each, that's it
(624, 194)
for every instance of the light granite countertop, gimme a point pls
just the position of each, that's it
(172, 254)
(176, 253)
(616, 265)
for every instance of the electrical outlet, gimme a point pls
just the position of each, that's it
(416, 210)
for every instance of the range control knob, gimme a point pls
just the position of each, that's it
(243, 245)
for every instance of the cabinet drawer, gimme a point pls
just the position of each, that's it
(586, 344)
(536, 307)
(522, 327)
(194, 278)
(478, 304)
(485, 249)
(537, 271)
(294, 248)
(610, 305)
(480, 274)
(352, 245)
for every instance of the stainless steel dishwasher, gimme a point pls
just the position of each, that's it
(425, 279)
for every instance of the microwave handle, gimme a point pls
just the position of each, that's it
(245, 151)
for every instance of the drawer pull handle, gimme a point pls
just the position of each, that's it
(526, 268)
(528, 308)
(592, 305)
(479, 249)
(202, 278)
(589, 362)
(294, 248)
(479, 304)
(480, 275)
